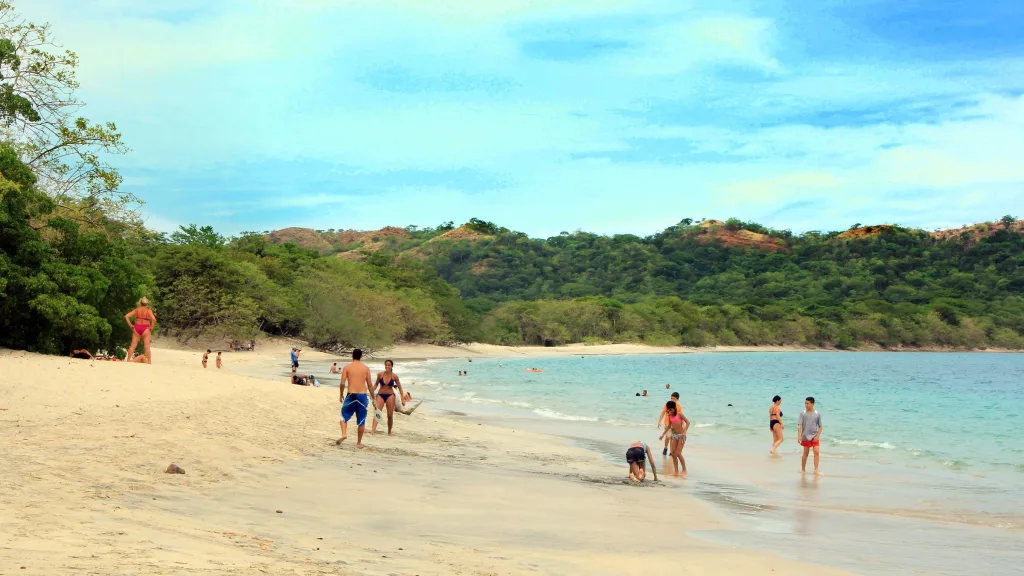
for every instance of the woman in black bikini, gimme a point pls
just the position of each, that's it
(775, 422)
(384, 389)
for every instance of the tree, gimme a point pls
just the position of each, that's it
(61, 290)
(67, 152)
(1008, 221)
(192, 234)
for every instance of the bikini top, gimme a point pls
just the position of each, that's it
(380, 381)
(676, 418)
(148, 317)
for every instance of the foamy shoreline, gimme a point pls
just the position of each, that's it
(407, 351)
(84, 489)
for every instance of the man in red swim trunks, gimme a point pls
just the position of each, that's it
(808, 433)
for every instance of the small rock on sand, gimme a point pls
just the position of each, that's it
(280, 512)
(174, 469)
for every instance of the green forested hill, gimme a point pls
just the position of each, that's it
(727, 283)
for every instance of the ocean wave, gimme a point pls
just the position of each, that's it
(863, 444)
(559, 416)
(703, 424)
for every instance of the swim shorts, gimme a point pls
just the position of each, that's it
(809, 443)
(355, 404)
(635, 454)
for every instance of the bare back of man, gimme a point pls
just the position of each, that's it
(357, 401)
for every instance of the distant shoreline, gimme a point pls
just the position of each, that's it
(412, 351)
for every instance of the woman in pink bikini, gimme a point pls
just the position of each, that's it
(677, 426)
(142, 326)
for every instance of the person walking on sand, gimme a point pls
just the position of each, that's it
(677, 426)
(357, 401)
(384, 388)
(775, 422)
(219, 363)
(206, 356)
(661, 418)
(808, 432)
(142, 327)
(637, 456)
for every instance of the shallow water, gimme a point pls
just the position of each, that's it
(921, 451)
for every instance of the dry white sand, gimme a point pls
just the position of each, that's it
(83, 488)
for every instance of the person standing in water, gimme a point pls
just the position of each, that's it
(142, 327)
(775, 422)
(677, 426)
(661, 418)
(637, 456)
(219, 363)
(206, 357)
(384, 387)
(808, 433)
(357, 401)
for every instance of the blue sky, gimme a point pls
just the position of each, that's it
(603, 115)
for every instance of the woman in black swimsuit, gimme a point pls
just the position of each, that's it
(775, 422)
(384, 389)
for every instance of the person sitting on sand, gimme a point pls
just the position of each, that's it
(401, 400)
(384, 387)
(775, 423)
(334, 368)
(142, 327)
(676, 426)
(312, 381)
(219, 363)
(82, 354)
(357, 401)
(663, 416)
(637, 456)
(206, 356)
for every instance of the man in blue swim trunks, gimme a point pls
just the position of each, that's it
(360, 394)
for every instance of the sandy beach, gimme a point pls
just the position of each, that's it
(83, 486)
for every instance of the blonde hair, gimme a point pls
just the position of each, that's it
(143, 301)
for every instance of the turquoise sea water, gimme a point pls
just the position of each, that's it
(922, 452)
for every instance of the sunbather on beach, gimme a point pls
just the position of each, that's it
(142, 327)
(82, 354)
(401, 400)
(636, 456)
